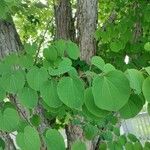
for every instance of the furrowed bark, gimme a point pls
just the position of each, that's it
(86, 23)
(87, 16)
(86, 26)
(64, 21)
(9, 38)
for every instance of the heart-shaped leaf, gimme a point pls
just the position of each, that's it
(136, 79)
(13, 82)
(28, 97)
(49, 94)
(54, 140)
(9, 120)
(36, 77)
(71, 92)
(89, 102)
(29, 139)
(111, 91)
(132, 107)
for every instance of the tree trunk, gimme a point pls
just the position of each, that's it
(87, 21)
(86, 24)
(64, 21)
(9, 38)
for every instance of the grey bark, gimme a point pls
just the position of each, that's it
(64, 21)
(9, 38)
(86, 26)
(86, 23)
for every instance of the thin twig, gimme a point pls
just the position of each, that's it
(42, 40)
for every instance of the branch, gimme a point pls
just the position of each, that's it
(21, 110)
(8, 141)
(42, 40)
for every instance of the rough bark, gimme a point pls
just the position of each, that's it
(86, 24)
(73, 133)
(64, 21)
(9, 39)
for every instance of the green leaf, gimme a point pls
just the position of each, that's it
(116, 46)
(35, 120)
(36, 77)
(26, 61)
(116, 146)
(116, 131)
(11, 59)
(30, 49)
(108, 136)
(9, 120)
(72, 50)
(73, 72)
(132, 138)
(147, 144)
(54, 140)
(49, 94)
(103, 146)
(92, 108)
(148, 108)
(50, 53)
(136, 79)
(71, 92)
(138, 146)
(90, 131)
(122, 140)
(78, 145)
(98, 62)
(129, 146)
(64, 66)
(28, 97)
(2, 144)
(2, 94)
(147, 46)
(132, 107)
(148, 70)
(13, 82)
(3, 10)
(111, 91)
(4, 68)
(108, 67)
(29, 139)
(146, 89)
(89, 115)
(60, 46)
